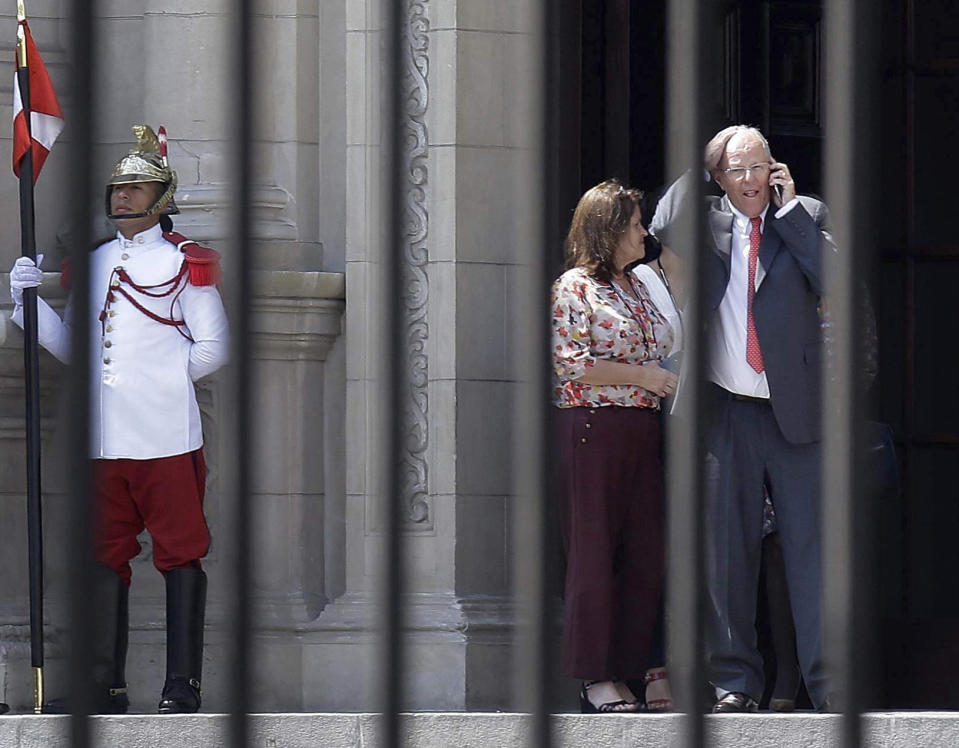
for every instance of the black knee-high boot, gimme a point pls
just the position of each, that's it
(185, 606)
(108, 648)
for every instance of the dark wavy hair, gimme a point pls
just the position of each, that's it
(600, 219)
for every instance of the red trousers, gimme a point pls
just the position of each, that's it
(164, 495)
(613, 532)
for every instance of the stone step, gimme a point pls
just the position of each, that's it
(479, 730)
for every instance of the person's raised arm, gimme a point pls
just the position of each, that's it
(806, 232)
(671, 207)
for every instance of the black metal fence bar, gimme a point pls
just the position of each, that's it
(848, 155)
(79, 540)
(540, 593)
(533, 530)
(685, 446)
(392, 374)
(242, 145)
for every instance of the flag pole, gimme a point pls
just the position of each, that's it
(32, 377)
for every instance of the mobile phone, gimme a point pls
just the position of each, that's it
(779, 193)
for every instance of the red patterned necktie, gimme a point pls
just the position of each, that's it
(754, 356)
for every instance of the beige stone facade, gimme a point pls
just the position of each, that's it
(317, 202)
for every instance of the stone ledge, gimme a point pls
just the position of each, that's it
(475, 730)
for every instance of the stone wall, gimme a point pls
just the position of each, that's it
(318, 197)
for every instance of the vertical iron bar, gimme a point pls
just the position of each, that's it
(393, 372)
(243, 228)
(80, 506)
(686, 441)
(547, 82)
(848, 157)
(533, 531)
(839, 398)
(909, 295)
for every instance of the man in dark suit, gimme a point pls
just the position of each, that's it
(763, 286)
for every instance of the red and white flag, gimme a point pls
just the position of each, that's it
(46, 119)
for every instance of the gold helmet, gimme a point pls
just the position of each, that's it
(146, 162)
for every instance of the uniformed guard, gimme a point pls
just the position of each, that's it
(157, 326)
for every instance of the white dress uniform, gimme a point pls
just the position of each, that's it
(143, 403)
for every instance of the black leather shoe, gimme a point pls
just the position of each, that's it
(180, 696)
(735, 703)
(782, 705)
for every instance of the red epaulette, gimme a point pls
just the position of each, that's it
(203, 262)
(66, 275)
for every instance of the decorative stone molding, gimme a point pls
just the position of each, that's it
(415, 478)
(296, 315)
(205, 212)
(440, 613)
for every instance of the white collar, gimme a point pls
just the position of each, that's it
(742, 221)
(148, 236)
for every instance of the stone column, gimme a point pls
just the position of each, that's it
(297, 320)
(188, 87)
(466, 145)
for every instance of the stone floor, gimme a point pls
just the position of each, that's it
(478, 730)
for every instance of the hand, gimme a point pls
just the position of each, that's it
(779, 174)
(24, 274)
(659, 380)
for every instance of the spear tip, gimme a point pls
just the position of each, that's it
(21, 47)
(21, 11)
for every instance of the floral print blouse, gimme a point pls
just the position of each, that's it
(596, 320)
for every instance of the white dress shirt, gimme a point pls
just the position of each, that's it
(143, 403)
(663, 300)
(727, 363)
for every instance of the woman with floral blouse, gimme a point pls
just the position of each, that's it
(608, 342)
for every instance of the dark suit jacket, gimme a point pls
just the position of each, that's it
(785, 305)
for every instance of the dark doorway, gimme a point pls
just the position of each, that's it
(766, 66)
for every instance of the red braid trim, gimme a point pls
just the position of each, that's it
(146, 290)
(179, 324)
(147, 312)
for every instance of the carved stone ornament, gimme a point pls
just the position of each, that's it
(415, 488)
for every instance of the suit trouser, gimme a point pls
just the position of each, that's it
(613, 520)
(745, 445)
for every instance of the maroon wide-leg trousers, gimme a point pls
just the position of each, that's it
(613, 527)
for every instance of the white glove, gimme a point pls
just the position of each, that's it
(24, 274)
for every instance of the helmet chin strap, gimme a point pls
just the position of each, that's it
(121, 216)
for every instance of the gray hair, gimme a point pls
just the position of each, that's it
(716, 148)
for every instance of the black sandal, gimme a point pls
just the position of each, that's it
(610, 707)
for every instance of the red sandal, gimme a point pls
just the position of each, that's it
(657, 705)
